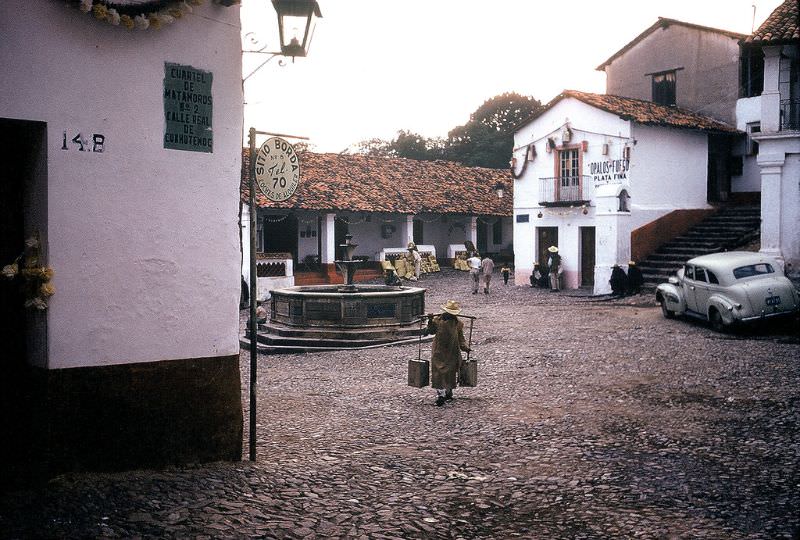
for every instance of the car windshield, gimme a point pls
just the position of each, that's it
(752, 270)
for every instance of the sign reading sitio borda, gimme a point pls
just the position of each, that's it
(277, 169)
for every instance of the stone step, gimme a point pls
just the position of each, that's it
(323, 333)
(265, 348)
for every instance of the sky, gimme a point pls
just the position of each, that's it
(379, 66)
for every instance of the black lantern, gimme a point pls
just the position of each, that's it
(499, 188)
(296, 24)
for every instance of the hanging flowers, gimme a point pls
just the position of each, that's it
(139, 14)
(34, 278)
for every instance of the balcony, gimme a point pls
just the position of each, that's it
(565, 190)
(790, 114)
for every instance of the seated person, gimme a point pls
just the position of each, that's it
(390, 277)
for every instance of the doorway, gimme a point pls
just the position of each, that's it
(545, 237)
(587, 256)
(280, 235)
(23, 213)
(481, 232)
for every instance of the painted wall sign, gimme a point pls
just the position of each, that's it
(82, 144)
(609, 170)
(277, 169)
(187, 108)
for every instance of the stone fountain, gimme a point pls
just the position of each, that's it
(349, 316)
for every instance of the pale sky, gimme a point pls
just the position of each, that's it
(378, 66)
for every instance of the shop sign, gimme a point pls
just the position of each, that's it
(611, 170)
(277, 169)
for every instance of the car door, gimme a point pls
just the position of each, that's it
(688, 287)
(701, 290)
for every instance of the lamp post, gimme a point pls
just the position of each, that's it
(300, 13)
(499, 189)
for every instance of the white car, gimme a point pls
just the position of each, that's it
(729, 288)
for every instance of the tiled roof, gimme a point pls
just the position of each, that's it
(780, 27)
(362, 183)
(641, 112)
(664, 22)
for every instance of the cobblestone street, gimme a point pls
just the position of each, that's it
(592, 419)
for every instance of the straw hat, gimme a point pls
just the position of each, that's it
(631, 263)
(452, 307)
(412, 245)
(552, 249)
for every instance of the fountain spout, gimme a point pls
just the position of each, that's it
(347, 265)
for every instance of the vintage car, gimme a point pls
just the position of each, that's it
(729, 288)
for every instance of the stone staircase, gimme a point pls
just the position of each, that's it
(731, 227)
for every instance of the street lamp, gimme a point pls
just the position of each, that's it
(296, 20)
(499, 188)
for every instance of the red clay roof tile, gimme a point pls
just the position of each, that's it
(780, 27)
(357, 182)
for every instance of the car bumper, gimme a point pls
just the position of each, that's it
(764, 316)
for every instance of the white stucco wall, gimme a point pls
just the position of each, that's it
(748, 111)
(669, 168)
(143, 240)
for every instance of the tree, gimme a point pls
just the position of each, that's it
(487, 139)
(407, 144)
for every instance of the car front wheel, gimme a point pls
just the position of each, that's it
(716, 321)
(668, 314)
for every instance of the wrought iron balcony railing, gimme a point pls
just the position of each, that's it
(565, 190)
(790, 114)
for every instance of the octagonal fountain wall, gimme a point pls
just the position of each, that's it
(363, 306)
(331, 317)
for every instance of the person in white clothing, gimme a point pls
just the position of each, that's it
(474, 263)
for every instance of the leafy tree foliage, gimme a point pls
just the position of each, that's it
(486, 140)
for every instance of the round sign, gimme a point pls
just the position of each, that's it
(277, 169)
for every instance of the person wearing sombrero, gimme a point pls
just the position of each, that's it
(553, 267)
(448, 342)
(635, 278)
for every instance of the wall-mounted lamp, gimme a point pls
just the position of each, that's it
(566, 136)
(584, 146)
(296, 21)
(551, 144)
(499, 188)
(626, 152)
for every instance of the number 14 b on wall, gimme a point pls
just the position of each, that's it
(82, 144)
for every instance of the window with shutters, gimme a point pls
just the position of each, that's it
(664, 88)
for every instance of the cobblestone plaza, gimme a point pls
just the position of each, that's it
(592, 419)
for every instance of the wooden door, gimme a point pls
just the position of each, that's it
(545, 237)
(587, 256)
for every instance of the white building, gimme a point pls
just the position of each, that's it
(769, 111)
(120, 143)
(593, 169)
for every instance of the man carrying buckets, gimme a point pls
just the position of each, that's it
(448, 342)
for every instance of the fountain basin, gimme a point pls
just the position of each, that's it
(355, 306)
(333, 317)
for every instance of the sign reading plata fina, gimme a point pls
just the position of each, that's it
(187, 108)
(277, 169)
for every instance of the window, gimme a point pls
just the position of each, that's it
(569, 174)
(688, 272)
(712, 278)
(497, 232)
(664, 88)
(700, 274)
(752, 270)
(751, 72)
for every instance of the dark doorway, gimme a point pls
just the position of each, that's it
(481, 230)
(546, 237)
(419, 228)
(340, 230)
(587, 257)
(719, 175)
(23, 213)
(280, 234)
